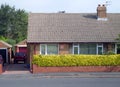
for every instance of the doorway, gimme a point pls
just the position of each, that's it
(4, 54)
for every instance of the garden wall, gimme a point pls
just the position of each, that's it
(1, 69)
(37, 69)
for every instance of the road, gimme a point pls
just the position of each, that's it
(49, 81)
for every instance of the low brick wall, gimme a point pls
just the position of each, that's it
(37, 69)
(1, 69)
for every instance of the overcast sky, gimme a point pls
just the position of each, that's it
(70, 6)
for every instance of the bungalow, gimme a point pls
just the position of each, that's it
(73, 33)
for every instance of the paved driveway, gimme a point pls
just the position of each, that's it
(16, 69)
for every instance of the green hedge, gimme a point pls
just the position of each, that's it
(76, 60)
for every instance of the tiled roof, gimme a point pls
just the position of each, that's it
(4, 44)
(24, 42)
(72, 27)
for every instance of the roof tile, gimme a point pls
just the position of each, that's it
(72, 27)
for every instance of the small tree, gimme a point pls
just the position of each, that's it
(13, 23)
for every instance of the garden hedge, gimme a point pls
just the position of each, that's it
(76, 60)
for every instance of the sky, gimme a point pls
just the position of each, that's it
(69, 6)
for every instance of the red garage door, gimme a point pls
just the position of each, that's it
(23, 49)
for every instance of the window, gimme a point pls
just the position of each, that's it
(114, 48)
(75, 48)
(84, 48)
(48, 49)
(52, 49)
(88, 48)
(43, 48)
(118, 48)
(100, 49)
(92, 48)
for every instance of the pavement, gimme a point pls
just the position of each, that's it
(80, 75)
(64, 75)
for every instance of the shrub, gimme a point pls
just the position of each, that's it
(109, 53)
(76, 60)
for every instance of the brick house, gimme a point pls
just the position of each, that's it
(73, 33)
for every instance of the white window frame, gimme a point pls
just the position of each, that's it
(41, 49)
(116, 48)
(46, 48)
(76, 45)
(99, 45)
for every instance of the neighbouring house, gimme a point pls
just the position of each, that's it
(73, 33)
(21, 46)
(6, 51)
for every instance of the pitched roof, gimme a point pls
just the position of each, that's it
(22, 43)
(72, 27)
(4, 44)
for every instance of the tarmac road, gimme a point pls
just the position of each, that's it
(61, 80)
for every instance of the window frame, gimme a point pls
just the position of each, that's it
(116, 48)
(46, 49)
(76, 45)
(99, 45)
(79, 50)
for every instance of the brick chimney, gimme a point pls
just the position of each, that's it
(101, 12)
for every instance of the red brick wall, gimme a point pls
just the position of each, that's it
(101, 11)
(37, 69)
(1, 69)
(31, 50)
(63, 48)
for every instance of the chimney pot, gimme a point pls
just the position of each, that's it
(103, 5)
(101, 12)
(99, 5)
